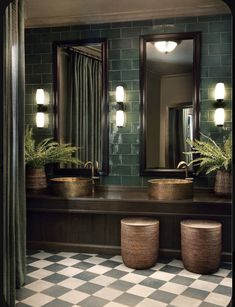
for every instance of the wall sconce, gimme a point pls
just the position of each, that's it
(41, 108)
(219, 105)
(120, 96)
(165, 46)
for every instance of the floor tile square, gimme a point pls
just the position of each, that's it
(162, 275)
(205, 285)
(162, 296)
(226, 282)
(42, 255)
(57, 303)
(86, 276)
(195, 293)
(103, 280)
(147, 302)
(134, 278)
(186, 281)
(38, 300)
(222, 272)
(117, 258)
(152, 283)
(83, 265)
(55, 267)
(56, 291)
(218, 299)
(73, 296)
(99, 269)
(171, 269)
(66, 254)
(89, 288)
(186, 273)
(81, 257)
(109, 294)
(93, 301)
(54, 258)
(115, 273)
(68, 261)
(144, 272)
(31, 259)
(111, 263)
(55, 278)
(39, 285)
(158, 266)
(173, 288)
(121, 285)
(71, 283)
(70, 271)
(95, 260)
(113, 304)
(122, 267)
(223, 290)
(184, 301)
(40, 274)
(24, 293)
(211, 278)
(40, 264)
(141, 290)
(128, 299)
(177, 263)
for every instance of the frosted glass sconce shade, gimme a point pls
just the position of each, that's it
(219, 91)
(120, 118)
(165, 46)
(40, 96)
(120, 94)
(40, 119)
(219, 117)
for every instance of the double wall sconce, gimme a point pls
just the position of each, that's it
(219, 105)
(41, 108)
(120, 96)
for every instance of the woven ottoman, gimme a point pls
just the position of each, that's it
(201, 245)
(139, 242)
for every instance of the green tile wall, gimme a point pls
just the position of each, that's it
(123, 55)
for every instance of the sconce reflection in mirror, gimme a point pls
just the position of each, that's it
(165, 46)
(120, 116)
(219, 105)
(41, 108)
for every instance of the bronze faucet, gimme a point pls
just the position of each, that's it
(93, 167)
(183, 164)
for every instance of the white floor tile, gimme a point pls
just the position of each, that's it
(40, 264)
(203, 285)
(108, 293)
(71, 283)
(99, 269)
(147, 302)
(124, 268)
(70, 271)
(218, 299)
(103, 280)
(68, 261)
(42, 255)
(162, 275)
(95, 260)
(66, 254)
(41, 273)
(173, 288)
(140, 290)
(38, 300)
(226, 282)
(134, 278)
(183, 301)
(73, 296)
(186, 273)
(39, 285)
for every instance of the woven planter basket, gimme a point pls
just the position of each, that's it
(36, 178)
(201, 245)
(139, 242)
(223, 183)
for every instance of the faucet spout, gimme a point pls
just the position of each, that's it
(183, 164)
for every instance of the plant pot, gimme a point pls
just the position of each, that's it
(36, 178)
(223, 183)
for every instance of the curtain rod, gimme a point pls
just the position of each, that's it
(84, 53)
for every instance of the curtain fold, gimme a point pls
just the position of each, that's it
(14, 209)
(83, 114)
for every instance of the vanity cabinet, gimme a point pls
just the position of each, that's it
(92, 224)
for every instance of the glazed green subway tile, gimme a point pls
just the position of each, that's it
(124, 43)
(115, 159)
(135, 128)
(132, 96)
(32, 38)
(211, 38)
(200, 26)
(143, 23)
(73, 35)
(133, 117)
(135, 170)
(28, 109)
(46, 58)
(130, 160)
(33, 59)
(220, 49)
(124, 149)
(115, 75)
(120, 65)
(114, 54)
(78, 28)
(50, 37)
(130, 138)
(130, 54)
(226, 38)
(47, 78)
(130, 32)
(204, 72)
(41, 30)
(90, 34)
(30, 119)
(135, 42)
(120, 170)
(135, 148)
(204, 50)
(186, 20)
(164, 21)
(111, 180)
(219, 26)
(33, 79)
(28, 91)
(42, 48)
(130, 74)
(220, 72)
(135, 106)
(28, 49)
(135, 64)
(135, 85)
(42, 68)
(61, 29)
(203, 94)
(28, 69)
(213, 60)
(111, 33)
(125, 24)
(132, 180)
(226, 17)
(209, 18)
(101, 26)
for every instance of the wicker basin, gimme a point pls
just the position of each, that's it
(170, 189)
(71, 186)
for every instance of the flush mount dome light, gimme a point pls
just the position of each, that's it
(165, 46)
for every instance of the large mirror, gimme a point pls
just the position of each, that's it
(81, 110)
(169, 80)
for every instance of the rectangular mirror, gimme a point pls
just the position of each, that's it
(169, 80)
(81, 109)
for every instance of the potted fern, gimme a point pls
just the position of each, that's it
(214, 158)
(41, 154)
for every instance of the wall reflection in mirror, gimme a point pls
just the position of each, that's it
(81, 100)
(168, 95)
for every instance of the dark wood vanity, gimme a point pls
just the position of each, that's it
(92, 224)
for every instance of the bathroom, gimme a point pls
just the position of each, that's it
(74, 241)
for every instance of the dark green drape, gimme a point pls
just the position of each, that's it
(14, 229)
(83, 114)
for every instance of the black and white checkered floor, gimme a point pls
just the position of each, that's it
(87, 280)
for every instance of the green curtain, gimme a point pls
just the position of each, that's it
(83, 115)
(14, 210)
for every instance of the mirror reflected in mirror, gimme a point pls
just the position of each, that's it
(169, 100)
(80, 101)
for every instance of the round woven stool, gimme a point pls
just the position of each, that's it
(201, 245)
(139, 242)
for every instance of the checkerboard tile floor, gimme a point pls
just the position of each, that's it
(89, 280)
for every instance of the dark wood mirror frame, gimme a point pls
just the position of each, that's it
(196, 37)
(104, 169)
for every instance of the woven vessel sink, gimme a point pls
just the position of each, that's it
(170, 189)
(69, 187)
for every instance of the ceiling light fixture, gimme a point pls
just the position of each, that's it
(165, 46)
